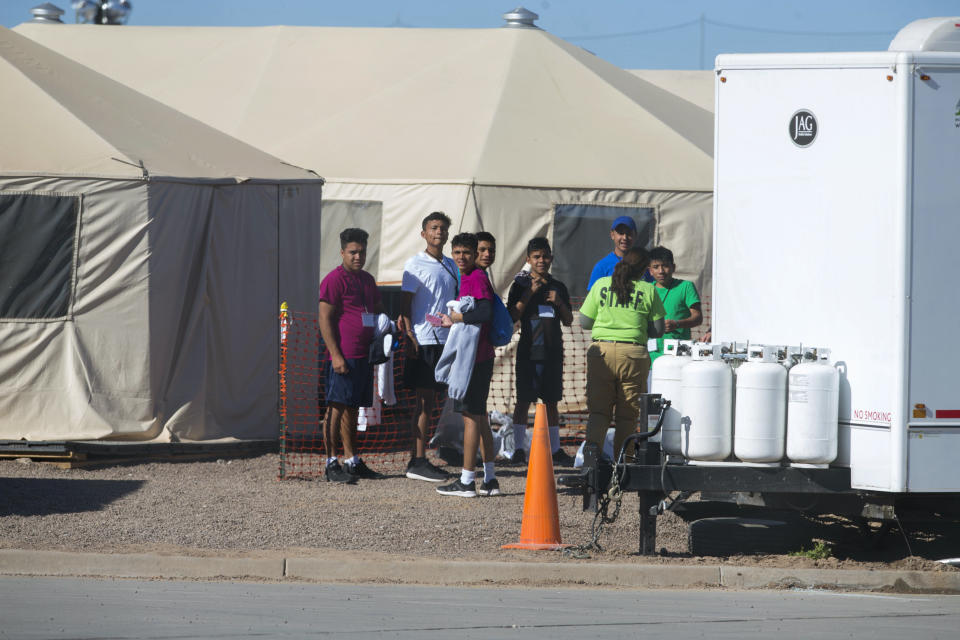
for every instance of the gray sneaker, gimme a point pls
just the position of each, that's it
(491, 488)
(421, 469)
(335, 473)
(457, 488)
(361, 470)
(562, 459)
(519, 457)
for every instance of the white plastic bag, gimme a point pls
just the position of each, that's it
(607, 449)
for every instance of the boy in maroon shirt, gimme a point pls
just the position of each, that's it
(473, 406)
(349, 305)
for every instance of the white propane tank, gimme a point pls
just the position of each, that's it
(760, 419)
(812, 409)
(666, 381)
(706, 401)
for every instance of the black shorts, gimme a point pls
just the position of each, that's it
(354, 388)
(541, 380)
(420, 372)
(475, 401)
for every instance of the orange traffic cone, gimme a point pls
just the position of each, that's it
(541, 522)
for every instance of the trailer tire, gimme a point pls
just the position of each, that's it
(735, 536)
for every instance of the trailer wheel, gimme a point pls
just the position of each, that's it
(733, 536)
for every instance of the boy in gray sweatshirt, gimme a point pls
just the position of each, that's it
(473, 405)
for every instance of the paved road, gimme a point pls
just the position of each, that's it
(120, 609)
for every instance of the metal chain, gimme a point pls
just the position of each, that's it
(600, 520)
(613, 494)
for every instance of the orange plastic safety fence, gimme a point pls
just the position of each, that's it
(385, 433)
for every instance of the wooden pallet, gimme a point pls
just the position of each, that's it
(78, 455)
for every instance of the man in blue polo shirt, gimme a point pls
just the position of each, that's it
(623, 232)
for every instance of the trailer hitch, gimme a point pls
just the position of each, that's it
(600, 479)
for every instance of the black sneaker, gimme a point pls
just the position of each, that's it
(335, 473)
(457, 488)
(361, 470)
(491, 488)
(519, 457)
(421, 469)
(562, 459)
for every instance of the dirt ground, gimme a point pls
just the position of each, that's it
(238, 506)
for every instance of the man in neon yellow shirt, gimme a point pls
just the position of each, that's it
(621, 311)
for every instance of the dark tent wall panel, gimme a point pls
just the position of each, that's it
(213, 309)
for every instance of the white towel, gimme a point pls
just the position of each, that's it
(459, 353)
(384, 372)
(385, 385)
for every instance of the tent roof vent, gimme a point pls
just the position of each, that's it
(47, 13)
(520, 18)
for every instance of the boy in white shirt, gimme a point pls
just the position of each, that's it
(429, 282)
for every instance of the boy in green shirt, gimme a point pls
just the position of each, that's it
(679, 297)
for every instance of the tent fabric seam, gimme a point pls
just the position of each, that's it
(495, 112)
(275, 33)
(473, 183)
(563, 46)
(162, 178)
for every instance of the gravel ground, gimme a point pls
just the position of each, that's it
(238, 506)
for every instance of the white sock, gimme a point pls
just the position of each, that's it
(353, 461)
(488, 472)
(554, 439)
(519, 436)
(467, 478)
(331, 460)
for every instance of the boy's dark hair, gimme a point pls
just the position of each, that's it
(538, 244)
(468, 240)
(661, 254)
(353, 235)
(486, 236)
(436, 215)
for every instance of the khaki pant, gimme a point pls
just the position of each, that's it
(616, 376)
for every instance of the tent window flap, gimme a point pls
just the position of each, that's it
(581, 237)
(37, 244)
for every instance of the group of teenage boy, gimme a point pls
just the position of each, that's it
(350, 312)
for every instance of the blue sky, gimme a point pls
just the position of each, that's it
(678, 34)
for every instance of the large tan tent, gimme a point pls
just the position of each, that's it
(512, 130)
(691, 85)
(143, 258)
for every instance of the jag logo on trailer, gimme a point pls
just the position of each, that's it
(803, 128)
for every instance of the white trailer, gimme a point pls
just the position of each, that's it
(837, 224)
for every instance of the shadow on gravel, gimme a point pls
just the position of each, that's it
(928, 539)
(782, 533)
(46, 496)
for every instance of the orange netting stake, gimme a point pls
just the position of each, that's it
(284, 330)
(541, 519)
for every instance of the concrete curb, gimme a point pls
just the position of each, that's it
(60, 563)
(842, 579)
(335, 567)
(448, 572)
